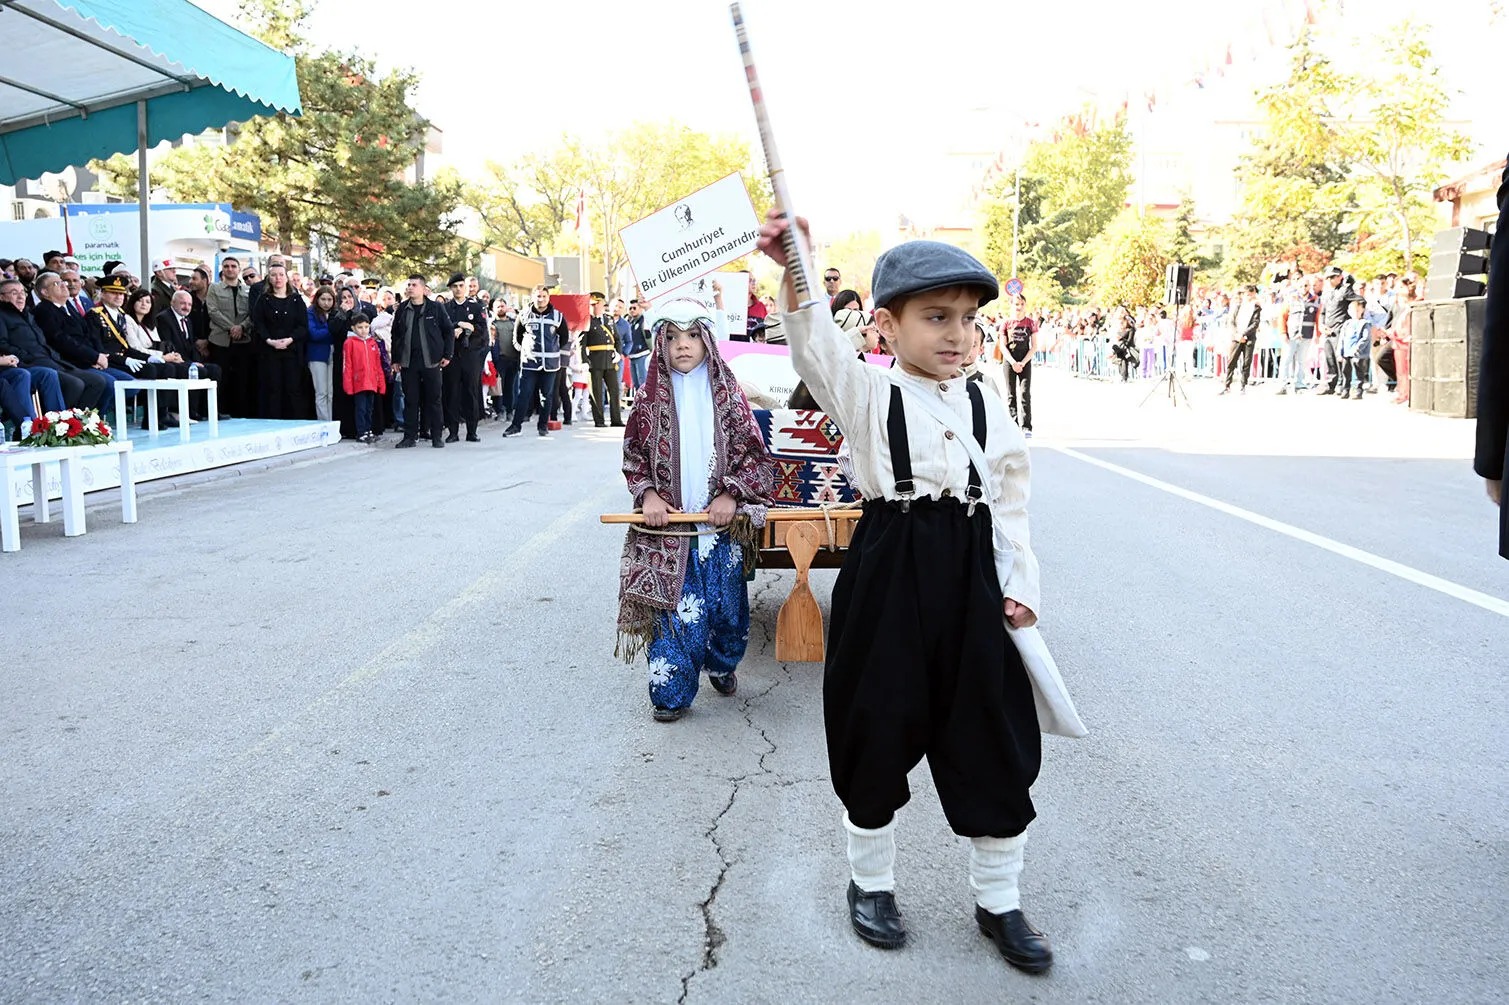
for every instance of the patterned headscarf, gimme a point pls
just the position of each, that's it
(653, 567)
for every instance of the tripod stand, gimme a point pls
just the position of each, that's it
(1176, 295)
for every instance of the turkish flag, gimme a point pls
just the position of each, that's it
(576, 307)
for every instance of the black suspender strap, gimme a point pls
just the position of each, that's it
(901, 453)
(977, 411)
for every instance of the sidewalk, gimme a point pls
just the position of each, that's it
(1074, 411)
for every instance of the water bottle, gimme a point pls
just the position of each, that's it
(193, 371)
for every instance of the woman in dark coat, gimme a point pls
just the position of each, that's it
(281, 324)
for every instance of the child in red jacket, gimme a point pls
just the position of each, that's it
(365, 374)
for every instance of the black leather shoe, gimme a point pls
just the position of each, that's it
(875, 918)
(453, 438)
(666, 714)
(473, 438)
(511, 432)
(437, 443)
(405, 443)
(1021, 945)
(726, 684)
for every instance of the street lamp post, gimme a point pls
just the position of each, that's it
(1016, 214)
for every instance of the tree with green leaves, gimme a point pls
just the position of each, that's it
(338, 173)
(1070, 189)
(1129, 260)
(526, 206)
(1395, 137)
(1295, 188)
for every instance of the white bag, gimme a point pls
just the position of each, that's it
(1055, 709)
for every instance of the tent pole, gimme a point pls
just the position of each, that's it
(145, 276)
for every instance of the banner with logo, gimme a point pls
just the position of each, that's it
(701, 233)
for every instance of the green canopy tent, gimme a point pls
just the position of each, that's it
(82, 79)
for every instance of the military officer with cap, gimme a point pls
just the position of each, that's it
(463, 381)
(599, 347)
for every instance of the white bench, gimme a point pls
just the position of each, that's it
(67, 459)
(121, 429)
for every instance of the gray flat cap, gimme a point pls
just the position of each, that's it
(918, 266)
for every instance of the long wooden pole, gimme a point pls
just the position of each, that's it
(798, 259)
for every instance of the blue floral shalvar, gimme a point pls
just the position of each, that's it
(709, 630)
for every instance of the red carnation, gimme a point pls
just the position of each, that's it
(40, 424)
(75, 427)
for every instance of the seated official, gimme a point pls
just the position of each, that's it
(22, 337)
(107, 327)
(176, 334)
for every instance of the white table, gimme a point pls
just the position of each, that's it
(67, 459)
(122, 427)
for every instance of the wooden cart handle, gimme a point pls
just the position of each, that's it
(771, 516)
(638, 518)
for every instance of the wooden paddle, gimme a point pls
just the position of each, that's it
(799, 626)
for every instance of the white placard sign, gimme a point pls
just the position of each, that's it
(700, 234)
(735, 297)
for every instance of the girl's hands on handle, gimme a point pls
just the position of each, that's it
(656, 510)
(722, 510)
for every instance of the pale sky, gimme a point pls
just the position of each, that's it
(876, 105)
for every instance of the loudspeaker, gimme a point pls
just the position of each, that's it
(1446, 347)
(1463, 239)
(1453, 287)
(1176, 283)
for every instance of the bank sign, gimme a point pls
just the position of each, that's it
(192, 232)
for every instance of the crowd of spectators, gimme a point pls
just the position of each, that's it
(1329, 332)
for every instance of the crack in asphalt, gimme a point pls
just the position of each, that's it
(713, 936)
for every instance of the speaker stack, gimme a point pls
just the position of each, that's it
(1446, 329)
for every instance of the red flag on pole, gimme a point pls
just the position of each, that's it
(581, 208)
(67, 238)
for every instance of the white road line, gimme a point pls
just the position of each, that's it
(1405, 572)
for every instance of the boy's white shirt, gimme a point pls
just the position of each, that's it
(857, 396)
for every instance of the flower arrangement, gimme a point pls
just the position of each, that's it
(71, 428)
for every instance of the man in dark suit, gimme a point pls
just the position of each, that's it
(175, 326)
(22, 337)
(1493, 379)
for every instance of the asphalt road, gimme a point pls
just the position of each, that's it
(352, 730)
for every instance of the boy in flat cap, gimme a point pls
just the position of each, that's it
(920, 662)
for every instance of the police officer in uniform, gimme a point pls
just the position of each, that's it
(463, 380)
(599, 353)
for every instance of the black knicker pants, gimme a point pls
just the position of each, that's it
(1019, 385)
(421, 386)
(604, 381)
(920, 665)
(462, 385)
(1239, 359)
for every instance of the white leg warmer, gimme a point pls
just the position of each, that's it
(995, 864)
(872, 856)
